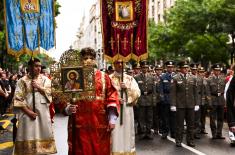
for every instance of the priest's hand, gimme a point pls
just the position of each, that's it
(32, 115)
(72, 109)
(29, 112)
(36, 86)
(110, 127)
(123, 85)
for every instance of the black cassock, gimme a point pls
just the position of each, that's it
(230, 96)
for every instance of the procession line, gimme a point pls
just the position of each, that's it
(187, 147)
(6, 145)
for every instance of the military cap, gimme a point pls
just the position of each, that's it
(110, 68)
(144, 63)
(136, 65)
(183, 64)
(88, 51)
(169, 63)
(158, 67)
(201, 69)
(129, 70)
(216, 66)
(193, 66)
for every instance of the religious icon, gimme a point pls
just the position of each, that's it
(124, 11)
(29, 6)
(72, 79)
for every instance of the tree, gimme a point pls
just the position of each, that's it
(198, 29)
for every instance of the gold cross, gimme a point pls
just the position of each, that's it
(118, 42)
(138, 41)
(112, 41)
(124, 42)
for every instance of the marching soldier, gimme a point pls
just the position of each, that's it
(199, 83)
(203, 99)
(184, 102)
(216, 84)
(146, 100)
(156, 113)
(167, 116)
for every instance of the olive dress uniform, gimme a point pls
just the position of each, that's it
(184, 98)
(146, 102)
(216, 84)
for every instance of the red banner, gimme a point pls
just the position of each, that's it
(124, 26)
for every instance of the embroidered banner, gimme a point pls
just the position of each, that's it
(29, 25)
(124, 26)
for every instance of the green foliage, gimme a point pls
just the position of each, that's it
(198, 29)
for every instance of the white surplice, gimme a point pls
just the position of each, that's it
(33, 136)
(123, 136)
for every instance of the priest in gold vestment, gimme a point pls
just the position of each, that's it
(34, 134)
(123, 135)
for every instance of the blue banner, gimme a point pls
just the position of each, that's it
(29, 25)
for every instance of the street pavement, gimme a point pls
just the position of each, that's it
(204, 146)
(6, 143)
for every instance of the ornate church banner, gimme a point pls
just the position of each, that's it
(29, 25)
(124, 26)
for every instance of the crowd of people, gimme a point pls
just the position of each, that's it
(178, 97)
(143, 101)
(7, 88)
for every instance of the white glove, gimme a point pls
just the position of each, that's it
(196, 108)
(173, 108)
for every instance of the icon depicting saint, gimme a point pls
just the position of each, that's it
(72, 84)
(29, 6)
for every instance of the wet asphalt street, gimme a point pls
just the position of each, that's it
(204, 146)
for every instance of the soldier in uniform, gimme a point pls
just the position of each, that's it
(156, 113)
(167, 116)
(136, 68)
(199, 80)
(203, 99)
(146, 100)
(184, 102)
(216, 84)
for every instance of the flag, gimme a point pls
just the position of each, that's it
(29, 25)
(124, 27)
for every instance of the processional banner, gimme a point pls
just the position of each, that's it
(29, 25)
(124, 26)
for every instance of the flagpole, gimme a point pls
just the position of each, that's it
(122, 91)
(33, 90)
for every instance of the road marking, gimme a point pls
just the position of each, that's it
(8, 114)
(5, 123)
(187, 147)
(6, 145)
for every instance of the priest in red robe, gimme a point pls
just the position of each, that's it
(92, 121)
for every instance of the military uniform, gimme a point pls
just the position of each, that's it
(146, 102)
(156, 110)
(203, 100)
(184, 99)
(200, 91)
(216, 84)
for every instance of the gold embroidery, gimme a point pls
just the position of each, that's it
(32, 147)
(123, 153)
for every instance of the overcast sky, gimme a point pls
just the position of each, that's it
(68, 21)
